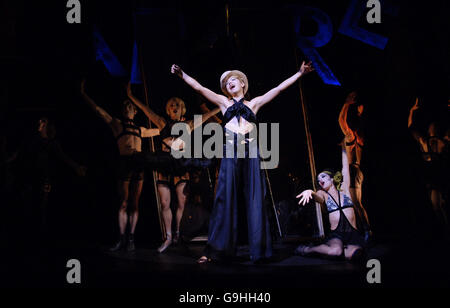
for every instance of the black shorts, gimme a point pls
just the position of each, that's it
(169, 179)
(348, 238)
(129, 169)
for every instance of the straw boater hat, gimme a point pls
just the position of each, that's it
(228, 74)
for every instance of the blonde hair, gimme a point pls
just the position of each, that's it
(337, 178)
(176, 100)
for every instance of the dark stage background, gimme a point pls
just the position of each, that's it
(43, 60)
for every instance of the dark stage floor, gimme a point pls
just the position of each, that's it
(409, 264)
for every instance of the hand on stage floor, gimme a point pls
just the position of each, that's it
(305, 196)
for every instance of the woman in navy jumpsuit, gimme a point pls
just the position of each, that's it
(240, 174)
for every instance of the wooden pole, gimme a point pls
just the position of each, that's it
(272, 200)
(152, 148)
(312, 163)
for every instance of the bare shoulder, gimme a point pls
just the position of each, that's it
(253, 104)
(116, 125)
(116, 121)
(322, 195)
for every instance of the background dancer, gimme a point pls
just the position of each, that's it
(354, 143)
(36, 170)
(435, 157)
(130, 172)
(174, 175)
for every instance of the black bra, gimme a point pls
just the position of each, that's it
(129, 124)
(333, 206)
(238, 110)
(353, 142)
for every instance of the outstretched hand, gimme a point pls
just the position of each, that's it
(175, 69)
(305, 197)
(306, 68)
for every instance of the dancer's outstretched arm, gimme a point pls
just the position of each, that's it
(98, 110)
(419, 138)
(217, 99)
(156, 119)
(260, 101)
(193, 125)
(308, 194)
(205, 109)
(343, 117)
(149, 132)
(345, 171)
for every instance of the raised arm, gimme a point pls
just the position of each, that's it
(260, 101)
(193, 125)
(98, 110)
(414, 132)
(343, 116)
(149, 132)
(217, 99)
(345, 169)
(156, 119)
(205, 109)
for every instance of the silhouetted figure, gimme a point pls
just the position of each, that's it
(36, 170)
(434, 151)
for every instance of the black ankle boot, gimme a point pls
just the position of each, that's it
(130, 243)
(120, 243)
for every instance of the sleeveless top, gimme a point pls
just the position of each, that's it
(333, 206)
(238, 110)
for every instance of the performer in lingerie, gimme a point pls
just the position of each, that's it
(238, 177)
(174, 175)
(130, 172)
(344, 239)
(354, 143)
(435, 157)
